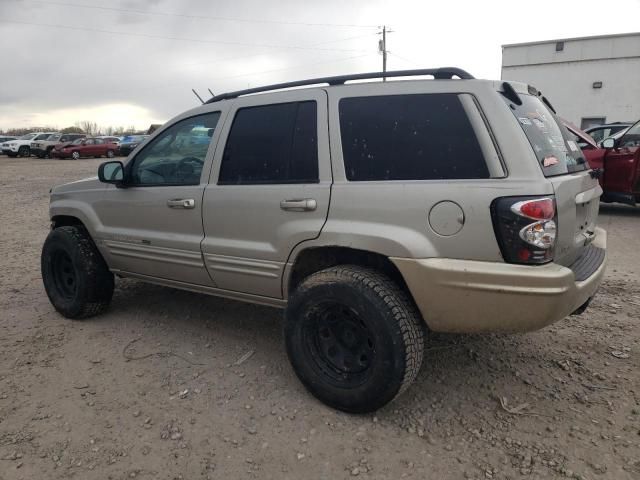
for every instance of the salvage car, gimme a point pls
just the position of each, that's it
(373, 213)
(21, 146)
(617, 159)
(42, 148)
(85, 147)
(129, 143)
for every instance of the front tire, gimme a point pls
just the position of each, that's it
(76, 277)
(110, 154)
(75, 155)
(24, 151)
(354, 339)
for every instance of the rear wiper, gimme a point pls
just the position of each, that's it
(510, 93)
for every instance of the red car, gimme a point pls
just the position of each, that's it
(618, 161)
(85, 147)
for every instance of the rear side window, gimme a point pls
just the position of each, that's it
(409, 137)
(272, 144)
(556, 150)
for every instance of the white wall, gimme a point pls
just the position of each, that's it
(566, 77)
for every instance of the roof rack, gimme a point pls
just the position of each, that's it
(443, 73)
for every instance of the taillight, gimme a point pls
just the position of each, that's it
(525, 228)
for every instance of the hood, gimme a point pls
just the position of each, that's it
(60, 146)
(91, 183)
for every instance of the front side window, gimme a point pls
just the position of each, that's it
(272, 144)
(177, 155)
(409, 137)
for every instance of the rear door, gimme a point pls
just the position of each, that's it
(622, 164)
(577, 193)
(269, 189)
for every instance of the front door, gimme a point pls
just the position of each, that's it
(622, 164)
(153, 227)
(269, 189)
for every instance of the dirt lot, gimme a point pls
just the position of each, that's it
(72, 405)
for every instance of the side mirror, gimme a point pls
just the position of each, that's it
(111, 172)
(608, 143)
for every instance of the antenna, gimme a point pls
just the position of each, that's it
(196, 94)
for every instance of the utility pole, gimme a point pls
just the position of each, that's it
(382, 48)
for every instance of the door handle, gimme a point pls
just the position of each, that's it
(299, 205)
(186, 203)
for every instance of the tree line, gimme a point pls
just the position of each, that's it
(87, 127)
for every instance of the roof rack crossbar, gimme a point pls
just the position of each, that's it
(443, 73)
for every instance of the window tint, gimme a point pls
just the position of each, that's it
(272, 144)
(409, 137)
(89, 141)
(98, 141)
(176, 156)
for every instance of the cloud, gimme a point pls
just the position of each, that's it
(63, 60)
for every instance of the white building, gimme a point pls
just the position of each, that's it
(588, 80)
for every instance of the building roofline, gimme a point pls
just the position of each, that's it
(595, 37)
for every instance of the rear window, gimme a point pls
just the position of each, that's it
(409, 137)
(557, 152)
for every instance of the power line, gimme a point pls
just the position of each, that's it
(136, 68)
(202, 17)
(182, 39)
(262, 72)
(412, 62)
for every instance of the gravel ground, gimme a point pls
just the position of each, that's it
(174, 385)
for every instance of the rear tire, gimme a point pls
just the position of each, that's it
(110, 154)
(75, 276)
(354, 339)
(24, 151)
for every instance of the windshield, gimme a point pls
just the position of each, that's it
(28, 136)
(557, 152)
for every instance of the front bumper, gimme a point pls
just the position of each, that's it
(466, 296)
(9, 150)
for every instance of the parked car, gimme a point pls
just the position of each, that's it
(42, 148)
(5, 139)
(453, 205)
(22, 145)
(600, 132)
(618, 159)
(85, 147)
(109, 139)
(129, 143)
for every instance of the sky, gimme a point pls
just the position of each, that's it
(134, 62)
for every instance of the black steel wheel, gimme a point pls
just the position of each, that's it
(75, 276)
(354, 338)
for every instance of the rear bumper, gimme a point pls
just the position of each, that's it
(465, 296)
